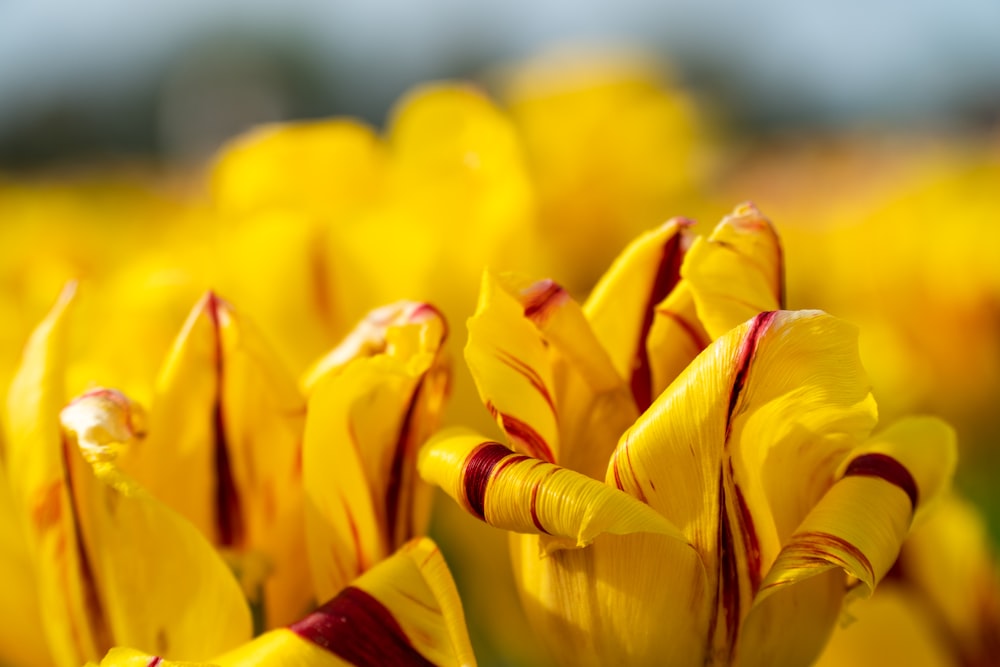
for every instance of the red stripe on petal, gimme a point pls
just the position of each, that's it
(541, 298)
(745, 355)
(479, 467)
(356, 627)
(529, 374)
(530, 438)
(885, 467)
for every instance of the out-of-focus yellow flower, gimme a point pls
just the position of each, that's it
(404, 611)
(610, 145)
(938, 607)
(111, 563)
(715, 523)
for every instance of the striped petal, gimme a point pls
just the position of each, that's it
(373, 402)
(621, 308)
(550, 382)
(405, 611)
(224, 450)
(525, 495)
(737, 272)
(861, 522)
(744, 442)
(108, 556)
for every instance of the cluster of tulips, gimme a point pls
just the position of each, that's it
(642, 455)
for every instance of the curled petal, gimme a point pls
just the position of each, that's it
(736, 272)
(861, 522)
(367, 418)
(515, 492)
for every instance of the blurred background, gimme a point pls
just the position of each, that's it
(175, 79)
(868, 132)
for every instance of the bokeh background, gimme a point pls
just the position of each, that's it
(869, 132)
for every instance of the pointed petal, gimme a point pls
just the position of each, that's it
(509, 362)
(515, 492)
(861, 522)
(159, 582)
(368, 415)
(621, 307)
(325, 168)
(224, 451)
(405, 611)
(737, 272)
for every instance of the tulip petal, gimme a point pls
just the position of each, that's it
(734, 449)
(510, 364)
(861, 522)
(518, 493)
(736, 272)
(621, 307)
(326, 168)
(404, 611)
(108, 556)
(224, 450)
(374, 401)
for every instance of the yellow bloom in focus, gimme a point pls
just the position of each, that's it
(404, 611)
(691, 480)
(938, 607)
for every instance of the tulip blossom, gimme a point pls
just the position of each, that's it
(404, 611)
(939, 606)
(112, 563)
(688, 471)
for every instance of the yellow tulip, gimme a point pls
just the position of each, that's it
(404, 611)
(112, 563)
(689, 476)
(938, 607)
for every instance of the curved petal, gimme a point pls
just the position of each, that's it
(515, 492)
(158, 582)
(325, 168)
(104, 551)
(367, 418)
(736, 272)
(621, 306)
(224, 450)
(637, 599)
(743, 440)
(861, 522)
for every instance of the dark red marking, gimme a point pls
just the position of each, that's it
(529, 437)
(697, 337)
(541, 298)
(745, 355)
(751, 543)
(154, 661)
(228, 510)
(825, 542)
(887, 468)
(729, 575)
(668, 274)
(530, 374)
(358, 628)
(534, 502)
(478, 471)
(91, 596)
(404, 445)
(426, 311)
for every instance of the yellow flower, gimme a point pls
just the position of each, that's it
(404, 611)
(111, 562)
(234, 456)
(938, 607)
(670, 511)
